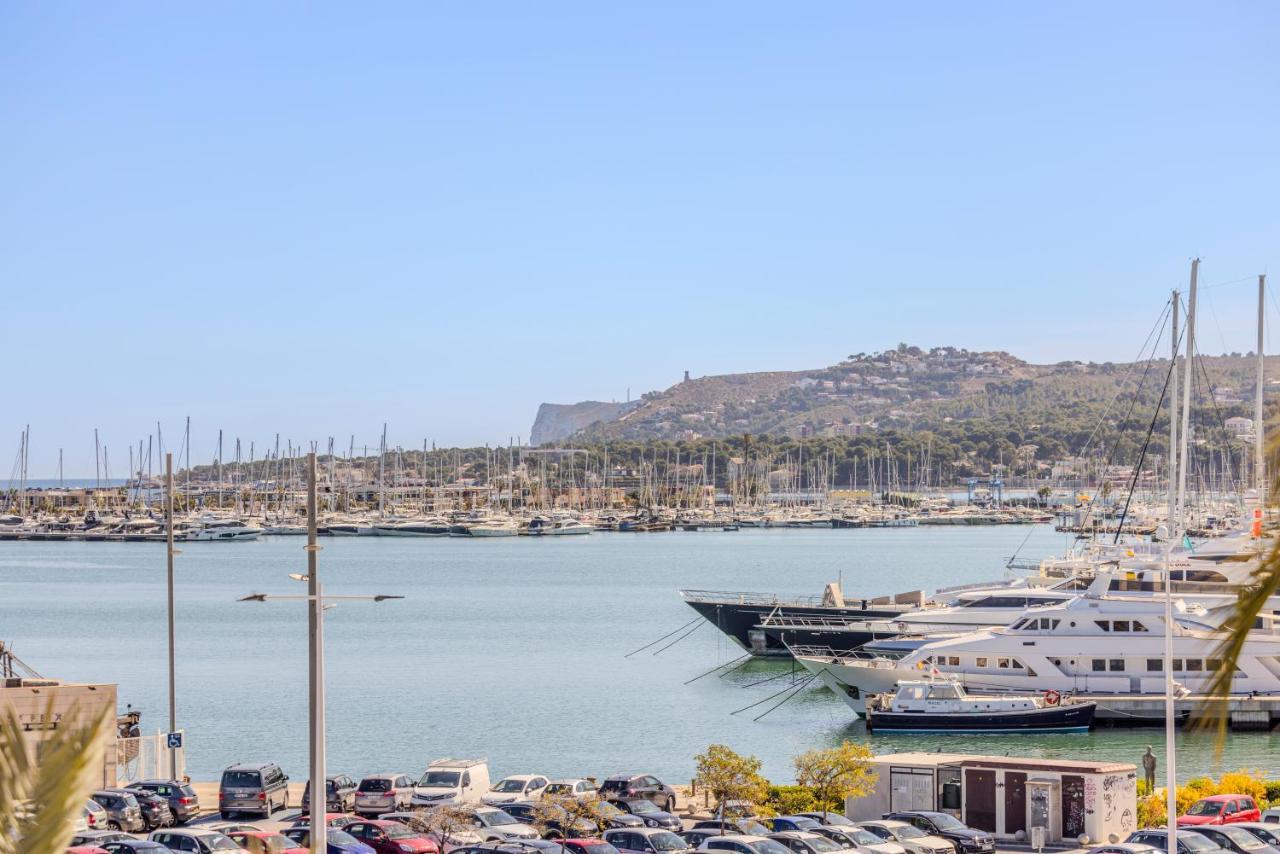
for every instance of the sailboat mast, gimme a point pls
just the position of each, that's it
(1259, 462)
(1173, 412)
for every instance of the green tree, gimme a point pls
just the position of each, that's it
(729, 776)
(836, 773)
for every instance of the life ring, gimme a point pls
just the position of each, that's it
(1052, 698)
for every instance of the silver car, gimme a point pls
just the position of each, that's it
(383, 793)
(123, 810)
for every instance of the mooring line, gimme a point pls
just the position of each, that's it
(720, 666)
(785, 699)
(664, 637)
(677, 640)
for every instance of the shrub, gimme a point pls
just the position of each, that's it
(789, 800)
(1151, 807)
(1273, 791)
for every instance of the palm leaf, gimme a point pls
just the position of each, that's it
(39, 802)
(1251, 601)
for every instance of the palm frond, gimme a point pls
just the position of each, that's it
(39, 801)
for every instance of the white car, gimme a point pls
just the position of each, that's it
(576, 787)
(494, 825)
(910, 837)
(95, 816)
(858, 839)
(517, 787)
(743, 843)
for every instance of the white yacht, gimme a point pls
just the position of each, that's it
(223, 531)
(1093, 645)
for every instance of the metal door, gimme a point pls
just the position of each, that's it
(1072, 806)
(980, 799)
(1015, 801)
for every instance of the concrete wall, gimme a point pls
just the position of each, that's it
(43, 710)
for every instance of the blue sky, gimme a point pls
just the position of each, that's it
(310, 218)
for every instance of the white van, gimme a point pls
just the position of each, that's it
(452, 781)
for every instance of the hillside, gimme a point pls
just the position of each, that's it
(557, 421)
(909, 389)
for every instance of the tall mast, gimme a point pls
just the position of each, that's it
(1259, 463)
(1170, 712)
(1173, 416)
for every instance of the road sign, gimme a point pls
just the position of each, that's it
(174, 740)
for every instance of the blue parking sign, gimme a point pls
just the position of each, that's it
(175, 740)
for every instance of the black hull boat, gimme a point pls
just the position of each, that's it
(746, 617)
(933, 707)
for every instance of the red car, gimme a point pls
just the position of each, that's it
(589, 846)
(391, 837)
(265, 842)
(1221, 809)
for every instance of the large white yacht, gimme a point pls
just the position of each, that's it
(1093, 645)
(222, 530)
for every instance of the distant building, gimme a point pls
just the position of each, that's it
(1238, 426)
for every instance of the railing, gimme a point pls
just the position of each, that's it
(725, 597)
(146, 756)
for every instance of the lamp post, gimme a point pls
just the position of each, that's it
(315, 632)
(168, 526)
(319, 604)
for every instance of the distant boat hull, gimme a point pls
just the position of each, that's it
(1067, 718)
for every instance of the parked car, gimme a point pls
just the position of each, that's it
(1221, 809)
(829, 819)
(553, 820)
(572, 788)
(265, 842)
(855, 838)
(611, 816)
(98, 838)
(95, 817)
(451, 781)
(228, 827)
(589, 845)
(639, 786)
(910, 837)
(644, 840)
(746, 824)
(86, 849)
(965, 839)
(743, 843)
(1268, 833)
(694, 838)
(780, 823)
(805, 842)
(155, 809)
(136, 846)
(1233, 838)
(392, 837)
(647, 811)
(340, 794)
(379, 793)
(1124, 848)
(194, 839)
(182, 798)
(336, 820)
(1271, 815)
(336, 841)
(517, 787)
(123, 810)
(496, 825)
(1188, 843)
(259, 788)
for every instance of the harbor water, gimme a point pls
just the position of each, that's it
(511, 649)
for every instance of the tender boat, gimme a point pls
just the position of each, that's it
(943, 706)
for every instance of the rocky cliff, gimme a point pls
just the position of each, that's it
(557, 421)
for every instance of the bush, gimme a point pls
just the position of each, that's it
(1273, 791)
(1151, 808)
(789, 800)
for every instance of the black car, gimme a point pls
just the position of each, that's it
(648, 812)
(155, 809)
(639, 786)
(183, 802)
(1231, 838)
(782, 823)
(1188, 843)
(966, 839)
(613, 816)
(1268, 833)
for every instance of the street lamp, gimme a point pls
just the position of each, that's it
(319, 604)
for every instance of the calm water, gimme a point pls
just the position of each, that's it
(510, 649)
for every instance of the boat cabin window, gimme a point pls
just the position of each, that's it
(943, 692)
(1011, 601)
(1041, 624)
(1125, 626)
(982, 662)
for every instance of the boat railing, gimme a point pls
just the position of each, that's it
(725, 597)
(872, 659)
(774, 621)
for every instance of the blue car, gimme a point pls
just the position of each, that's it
(338, 841)
(792, 822)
